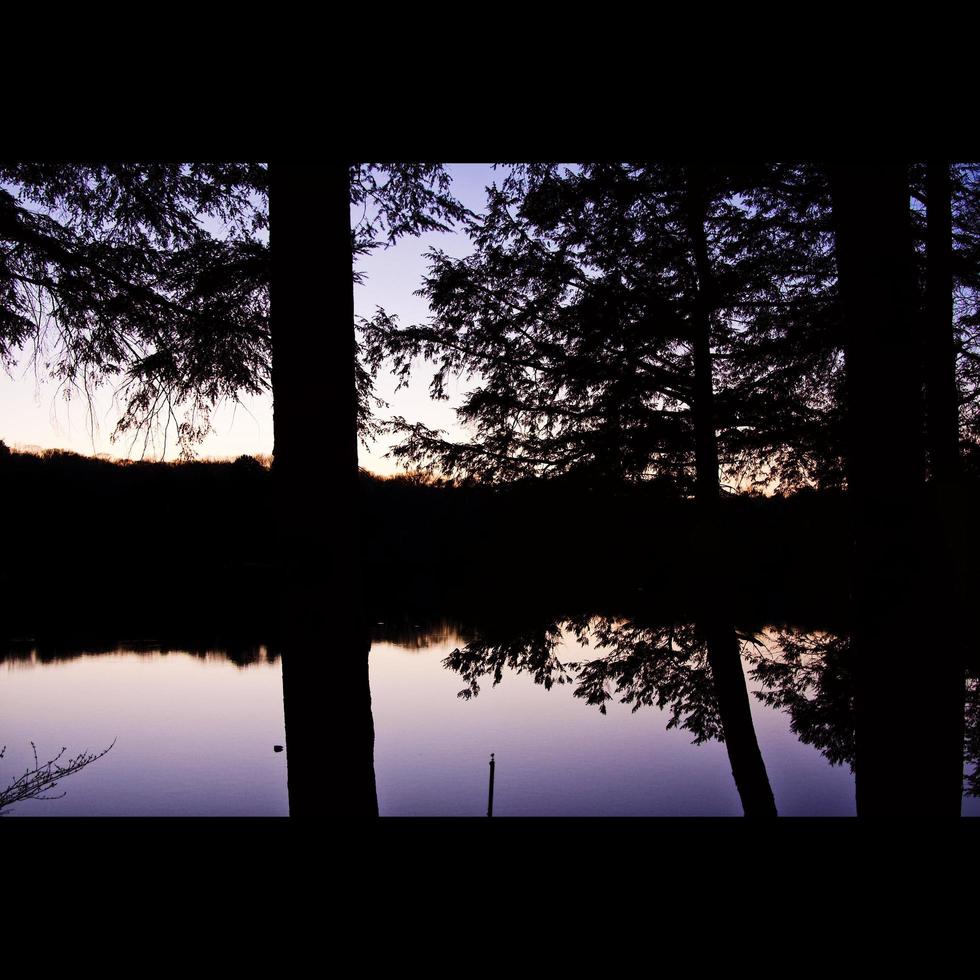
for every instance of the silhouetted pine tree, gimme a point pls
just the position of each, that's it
(595, 310)
(329, 728)
(965, 263)
(150, 276)
(159, 275)
(941, 405)
(320, 400)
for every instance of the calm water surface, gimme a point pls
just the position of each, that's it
(194, 734)
(557, 756)
(195, 737)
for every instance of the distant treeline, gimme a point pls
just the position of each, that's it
(164, 550)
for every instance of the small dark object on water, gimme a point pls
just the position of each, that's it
(277, 748)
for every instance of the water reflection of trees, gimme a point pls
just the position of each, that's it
(412, 635)
(528, 650)
(809, 676)
(806, 674)
(685, 669)
(242, 655)
(636, 664)
(971, 741)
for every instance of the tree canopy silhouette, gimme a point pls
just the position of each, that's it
(578, 312)
(712, 326)
(114, 272)
(153, 277)
(637, 320)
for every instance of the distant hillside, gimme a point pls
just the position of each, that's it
(89, 540)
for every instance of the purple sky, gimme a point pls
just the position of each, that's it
(34, 413)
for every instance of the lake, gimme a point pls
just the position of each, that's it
(195, 734)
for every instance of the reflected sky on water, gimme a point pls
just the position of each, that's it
(195, 735)
(557, 756)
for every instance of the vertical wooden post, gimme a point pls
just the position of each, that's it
(490, 798)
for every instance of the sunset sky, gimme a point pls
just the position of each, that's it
(34, 414)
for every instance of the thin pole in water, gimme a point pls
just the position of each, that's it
(490, 798)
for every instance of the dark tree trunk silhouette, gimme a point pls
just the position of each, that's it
(942, 416)
(903, 675)
(329, 727)
(724, 649)
(944, 593)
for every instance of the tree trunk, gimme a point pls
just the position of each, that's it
(942, 413)
(902, 745)
(944, 595)
(715, 620)
(325, 638)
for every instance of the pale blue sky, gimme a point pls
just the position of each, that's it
(33, 413)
